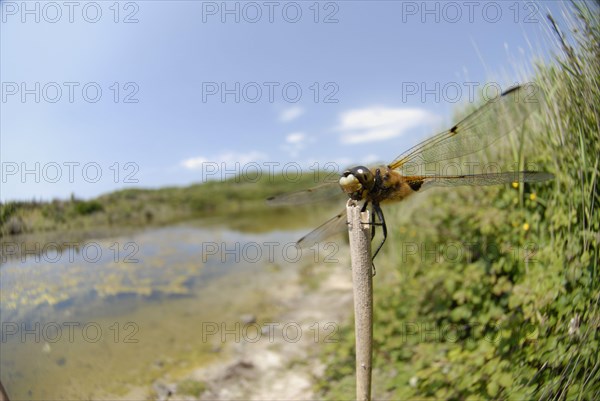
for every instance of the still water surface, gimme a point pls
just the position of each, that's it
(121, 312)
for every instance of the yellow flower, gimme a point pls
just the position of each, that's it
(533, 196)
(526, 226)
(515, 184)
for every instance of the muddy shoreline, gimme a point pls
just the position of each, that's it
(284, 359)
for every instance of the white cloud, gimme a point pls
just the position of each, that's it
(371, 159)
(295, 142)
(379, 123)
(291, 114)
(194, 163)
(295, 137)
(227, 159)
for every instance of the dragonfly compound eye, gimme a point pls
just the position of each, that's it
(364, 176)
(356, 180)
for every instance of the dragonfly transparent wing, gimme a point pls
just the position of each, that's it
(478, 130)
(335, 225)
(423, 182)
(323, 192)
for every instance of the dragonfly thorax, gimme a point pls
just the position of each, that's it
(357, 182)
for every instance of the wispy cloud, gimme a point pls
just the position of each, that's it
(291, 113)
(228, 159)
(380, 123)
(294, 143)
(295, 138)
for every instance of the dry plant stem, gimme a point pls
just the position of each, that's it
(362, 279)
(3, 395)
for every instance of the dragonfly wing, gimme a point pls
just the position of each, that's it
(335, 225)
(421, 183)
(327, 191)
(475, 132)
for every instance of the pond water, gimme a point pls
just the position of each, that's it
(118, 313)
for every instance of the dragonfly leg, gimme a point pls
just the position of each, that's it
(373, 222)
(377, 210)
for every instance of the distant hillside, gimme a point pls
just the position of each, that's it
(141, 207)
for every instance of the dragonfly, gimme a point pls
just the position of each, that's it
(391, 183)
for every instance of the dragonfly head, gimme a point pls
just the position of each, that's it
(357, 182)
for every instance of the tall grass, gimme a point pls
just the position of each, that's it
(494, 293)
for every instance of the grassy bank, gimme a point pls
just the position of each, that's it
(494, 293)
(238, 202)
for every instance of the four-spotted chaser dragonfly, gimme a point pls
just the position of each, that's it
(386, 184)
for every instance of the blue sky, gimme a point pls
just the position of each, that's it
(98, 96)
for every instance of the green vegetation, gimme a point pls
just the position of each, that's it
(494, 293)
(84, 208)
(191, 387)
(240, 201)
